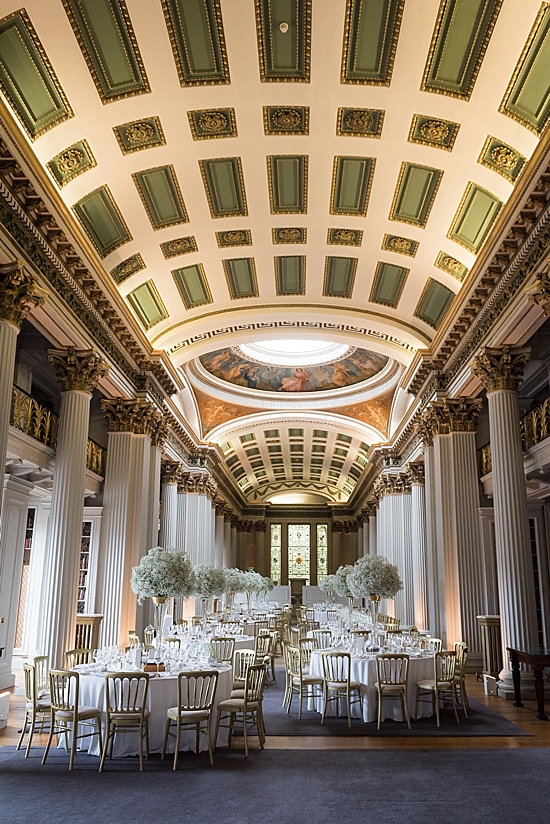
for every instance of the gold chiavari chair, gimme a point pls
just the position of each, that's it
(306, 647)
(74, 657)
(332, 616)
(181, 622)
(434, 689)
(149, 638)
(269, 659)
(461, 652)
(126, 711)
(392, 681)
(286, 660)
(196, 693)
(337, 683)
(300, 680)
(261, 616)
(172, 642)
(67, 714)
(42, 675)
(242, 660)
(260, 626)
(36, 709)
(248, 709)
(323, 638)
(431, 644)
(196, 620)
(133, 638)
(223, 648)
(294, 636)
(261, 648)
(234, 627)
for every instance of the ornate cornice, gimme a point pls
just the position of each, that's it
(137, 416)
(77, 369)
(539, 292)
(159, 434)
(170, 472)
(19, 293)
(343, 526)
(501, 368)
(424, 427)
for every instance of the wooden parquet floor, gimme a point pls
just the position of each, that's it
(524, 718)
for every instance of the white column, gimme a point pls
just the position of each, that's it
(233, 550)
(15, 504)
(219, 538)
(418, 543)
(260, 559)
(500, 371)
(435, 584)
(373, 532)
(169, 505)
(18, 295)
(336, 549)
(227, 544)
(154, 496)
(78, 373)
(124, 534)
(361, 541)
(180, 529)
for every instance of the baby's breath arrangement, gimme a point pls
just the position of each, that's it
(374, 575)
(163, 573)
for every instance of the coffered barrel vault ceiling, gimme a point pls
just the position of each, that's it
(242, 167)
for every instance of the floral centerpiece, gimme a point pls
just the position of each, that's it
(209, 581)
(374, 577)
(254, 583)
(341, 584)
(235, 580)
(328, 586)
(162, 574)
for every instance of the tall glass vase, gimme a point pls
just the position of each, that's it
(350, 607)
(204, 602)
(248, 597)
(374, 607)
(229, 599)
(160, 603)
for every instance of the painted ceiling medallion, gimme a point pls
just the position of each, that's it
(179, 246)
(139, 134)
(289, 234)
(286, 120)
(401, 245)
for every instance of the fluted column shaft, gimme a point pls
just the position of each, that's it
(227, 545)
(219, 539)
(8, 343)
(169, 515)
(199, 529)
(180, 529)
(418, 544)
(233, 561)
(336, 550)
(259, 559)
(434, 588)
(513, 550)
(60, 581)
(373, 548)
(154, 501)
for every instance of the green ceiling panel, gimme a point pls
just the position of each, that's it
(458, 46)
(434, 303)
(284, 40)
(179, 246)
(240, 274)
(71, 162)
(192, 285)
(105, 34)
(360, 122)
(344, 237)
(501, 158)
(351, 184)
(102, 220)
(415, 193)
(147, 304)
(287, 179)
(139, 134)
(127, 268)
(27, 78)
(198, 41)
(161, 196)
(339, 277)
(474, 218)
(401, 245)
(209, 123)
(527, 98)
(370, 40)
(451, 265)
(286, 120)
(289, 234)
(224, 185)
(430, 131)
(290, 274)
(388, 284)
(234, 237)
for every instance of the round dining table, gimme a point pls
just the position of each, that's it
(162, 694)
(363, 670)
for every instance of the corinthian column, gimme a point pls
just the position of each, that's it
(435, 591)
(170, 472)
(260, 559)
(394, 538)
(199, 531)
(124, 527)
(418, 543)
(78, 373)
(500, 371)
(18, 295)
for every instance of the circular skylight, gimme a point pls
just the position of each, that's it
(288, 352)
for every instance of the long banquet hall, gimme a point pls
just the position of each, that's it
(274, 410)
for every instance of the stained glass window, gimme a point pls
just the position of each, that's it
(275, 557)
(299, 551)
(322, 552)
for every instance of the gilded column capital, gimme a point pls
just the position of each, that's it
(159, 433)
(170, 472)
(131, 415)
(77, 369)
(337, 526)
(19, 293)
(455, 415)
(539, 292)
(425, 426)
(501, 368)
(392, 484)
(260, 526)
(198, 483)
(415, 473)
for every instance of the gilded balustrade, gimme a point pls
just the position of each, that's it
(36, 420)
(534, 427)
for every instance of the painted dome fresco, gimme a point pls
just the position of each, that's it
(237, 365)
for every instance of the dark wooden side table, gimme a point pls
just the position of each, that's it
(538, 658)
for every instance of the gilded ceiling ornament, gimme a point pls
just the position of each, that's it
(78, 370)
(286, 118)
(289, 234)
(170, 472)
(344, 235)
(501, 368)
(415, 473)
(127, 267)
(359, 121)
(455, 415)
(452, 264)
(70, 160)
(180, 245)
(198, 483)
(160, 433)
(213, 122)
(503, 157)
(131, 415)
(539, 292)
(139, 133)
(234, 237)
(19, 293)
(401, 244)
(434, 130)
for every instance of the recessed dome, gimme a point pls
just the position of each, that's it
(295, 352)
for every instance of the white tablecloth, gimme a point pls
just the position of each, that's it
(244, 642)
(163, 694)
(363, 670)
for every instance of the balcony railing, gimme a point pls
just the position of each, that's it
(534, 427)
(36, 420)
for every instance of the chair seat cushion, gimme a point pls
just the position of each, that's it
(237, 704)
(308, 679)
(43, 695)
(127, 717)
(238, 685)
(390, 687)
(187, 715)
(84, 712)
(342, 685)
(429, 684)
(43, 705)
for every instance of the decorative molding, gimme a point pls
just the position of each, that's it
(501, 369)
(415, 473)
(71, 162)
(78, 370)
(160, 433)
(179, 246)
(450, 415)
(286, 120)
(137, 416)
(139, 134)
(127, 268)
(289, 234)
(431, 131)
(170, 472)
(198, 483)
(19, 293)
(360, 122)
(539, 292)
(206, 124)
(401, 245)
